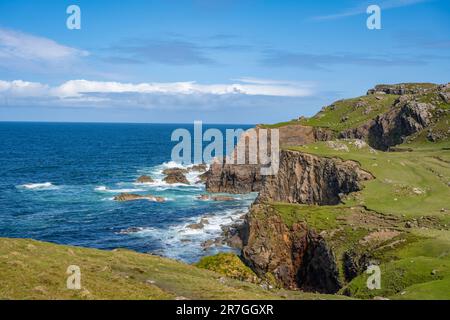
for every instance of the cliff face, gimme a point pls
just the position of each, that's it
(294, 252)
(389, 129)
(295, 255)
(246, 178)
(308, 179)
(232, 178)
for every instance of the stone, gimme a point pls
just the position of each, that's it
(175, 175)
(144, 179)
(196, 226)
(123, 197)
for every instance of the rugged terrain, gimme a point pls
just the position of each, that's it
(36, 270)
(366, 181)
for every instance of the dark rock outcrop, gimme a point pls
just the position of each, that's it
(309, 179)
(402, 88)
(132, 197)
(230, 178)
(175, 175)
(144, 179)
(245, 178)
(295, 255)
(404, 119)
(198, 167)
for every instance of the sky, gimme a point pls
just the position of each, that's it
(217, 61)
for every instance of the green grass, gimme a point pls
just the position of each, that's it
(432, 290)
(412, 184)
(37, 270)
(229, 265)
(407, 185)
(398, 275)
(318, 217)
(346, 114)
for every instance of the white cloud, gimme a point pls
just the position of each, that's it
(77, 88)
(150, 95)
(22, 51)
(19, 88)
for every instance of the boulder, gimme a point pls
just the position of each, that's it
(144, 179)
(175, 175)
(199, 168)
(196, 226)
(132, 197)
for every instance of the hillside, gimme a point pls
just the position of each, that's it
(364, 182)
(368, 185)
(36, 270)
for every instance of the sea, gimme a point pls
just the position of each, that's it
(58, 182)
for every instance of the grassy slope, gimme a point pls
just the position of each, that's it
(36, 270)
(409, 186)
(409, 183)
(345, 114)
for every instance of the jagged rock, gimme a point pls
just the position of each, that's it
(245, 178)
(402, 88)
(144, 179)
(203, 177)
(207, 244)
(132, 197)
(229, 178)
(445, 96)
(389, 129)
(309, 179)
(296, 256)
(175, 175)
(173, 171)
(198, 168)
(196, 226)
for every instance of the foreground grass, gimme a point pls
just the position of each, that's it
(36, 270)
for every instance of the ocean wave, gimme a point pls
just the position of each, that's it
(125, 190)
(38, 186)
(178, 239)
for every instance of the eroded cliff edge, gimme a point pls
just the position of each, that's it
(302, 231)
(294, 253)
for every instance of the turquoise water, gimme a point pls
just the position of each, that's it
(58, 180)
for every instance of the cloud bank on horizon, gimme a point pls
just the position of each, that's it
(87, 93)
(272, 58)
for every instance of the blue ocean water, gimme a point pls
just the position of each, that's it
(58, 180)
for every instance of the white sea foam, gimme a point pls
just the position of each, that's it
(179, 238)
(125, 190)
(38, 186)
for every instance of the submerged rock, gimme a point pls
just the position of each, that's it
(130, 230)
(132, 197)
(196, 226)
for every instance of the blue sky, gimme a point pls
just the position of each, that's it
(219, 61)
